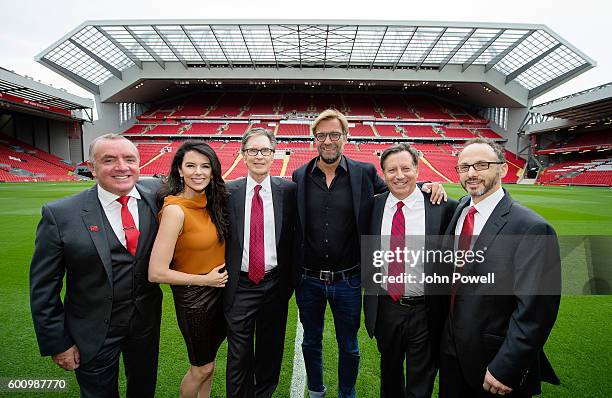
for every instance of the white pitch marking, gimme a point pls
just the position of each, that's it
(298, 378)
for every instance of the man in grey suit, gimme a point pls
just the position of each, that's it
(258, 260)
(100, 240)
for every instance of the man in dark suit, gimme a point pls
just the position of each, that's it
(258, 260)
(101, 240)
(335, 195)
(405, 318)
(492, 343)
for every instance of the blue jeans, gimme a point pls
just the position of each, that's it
(344, 297)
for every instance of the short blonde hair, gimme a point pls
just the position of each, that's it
(327, 115)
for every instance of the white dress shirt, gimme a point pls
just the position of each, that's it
(414, 218)
(483, 212)
(112, 209)
(269, 229)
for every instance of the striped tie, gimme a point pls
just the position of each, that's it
(397, 241)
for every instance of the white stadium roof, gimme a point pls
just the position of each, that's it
(533, 56)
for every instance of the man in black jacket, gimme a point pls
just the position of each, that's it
(493, 338)
(406, 323)
(335, 195)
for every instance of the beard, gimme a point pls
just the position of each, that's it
(329, 159)
(488, 185)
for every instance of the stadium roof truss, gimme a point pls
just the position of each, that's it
(533, 56)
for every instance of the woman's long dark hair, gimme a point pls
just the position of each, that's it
(216, 193)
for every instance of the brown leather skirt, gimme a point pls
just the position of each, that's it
(199, 312)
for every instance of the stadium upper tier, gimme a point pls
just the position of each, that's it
(356, 106)
(591, 141)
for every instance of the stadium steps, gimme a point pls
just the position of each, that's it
(375, 131)
(284, 167)
(153, 159)
(426, 162)
(233, 166)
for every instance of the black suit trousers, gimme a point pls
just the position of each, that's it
(138, 341)
(402, 334)
(256, 325)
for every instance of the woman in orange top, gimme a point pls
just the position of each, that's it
(189, 254)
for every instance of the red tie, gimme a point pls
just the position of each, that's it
(129, 227)
(465, 242)
(257, 267)
(397, 240)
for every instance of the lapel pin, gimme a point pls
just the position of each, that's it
(94, 228)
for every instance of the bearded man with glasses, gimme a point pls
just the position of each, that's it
(494, 334)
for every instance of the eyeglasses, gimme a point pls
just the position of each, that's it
(264, 151)
(478, 166)
(334, 136)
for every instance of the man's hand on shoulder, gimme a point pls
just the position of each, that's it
(69, 359)
(437, 192)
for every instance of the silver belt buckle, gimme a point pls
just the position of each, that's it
(329, 276)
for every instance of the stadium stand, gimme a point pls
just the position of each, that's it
(234, 129)
(589, 171)
(386, 130)
(439, 157)
(25, 163)
(595, 140)
(361, 130)
(291, 129)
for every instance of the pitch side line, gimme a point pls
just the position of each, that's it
(298, 378)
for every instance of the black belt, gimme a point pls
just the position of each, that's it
(332, 276)
(408, 301)
(267, 276)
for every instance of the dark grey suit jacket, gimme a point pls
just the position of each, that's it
(71, 241)
(283, 198)
(506, 333)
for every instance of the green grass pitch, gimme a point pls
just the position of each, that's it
(579, 347)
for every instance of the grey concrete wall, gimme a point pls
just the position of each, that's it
(108, 122)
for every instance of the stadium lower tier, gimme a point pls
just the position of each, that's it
(21, 162)
(591, 171)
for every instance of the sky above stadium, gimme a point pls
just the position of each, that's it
(30, 26)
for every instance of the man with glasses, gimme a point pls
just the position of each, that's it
(335, 196)
(261, 215)
(494, 333)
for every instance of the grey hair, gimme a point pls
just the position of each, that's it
(498, 149)
(255, 132)
(110, 136)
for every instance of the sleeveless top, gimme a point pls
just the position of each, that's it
(197, 249)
